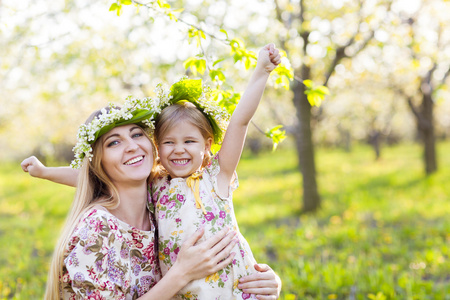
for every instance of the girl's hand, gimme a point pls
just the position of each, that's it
(269, 57)
(265, 284)
(33, 166)
(208, 257)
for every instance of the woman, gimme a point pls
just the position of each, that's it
(107, 248)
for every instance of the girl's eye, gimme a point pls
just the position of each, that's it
(167, 142)
(190, 141)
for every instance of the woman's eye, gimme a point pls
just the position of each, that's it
(113, 143)
(137, 135)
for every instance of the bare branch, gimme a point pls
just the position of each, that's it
(421, 121)
(341, 51)
(446, 75)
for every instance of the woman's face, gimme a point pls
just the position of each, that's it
(127, 155)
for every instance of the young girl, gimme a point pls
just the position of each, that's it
(194, 190)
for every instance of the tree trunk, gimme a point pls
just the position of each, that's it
(426, 129)
(305, 147)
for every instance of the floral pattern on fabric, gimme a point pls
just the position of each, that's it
(109, 259)
(178, 218)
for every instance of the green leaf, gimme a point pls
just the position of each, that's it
(114, 7)
(126, 2)
(201, 66)
(218, 61)
(276, 135)
(283, 76)
(323, 90)
(248, 63)
(315, 94)
(196, 65)
(217, 75)
(308, 83)
(224, 31)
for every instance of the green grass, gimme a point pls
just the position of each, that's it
(383, 231)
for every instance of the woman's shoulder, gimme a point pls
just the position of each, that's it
(95, 214)
(97, 221)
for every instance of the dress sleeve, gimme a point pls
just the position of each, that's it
(213, 169)
(93, 269)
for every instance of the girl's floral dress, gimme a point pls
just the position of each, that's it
(109, 259)
(178, 218)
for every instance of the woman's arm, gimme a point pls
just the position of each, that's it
(62, 175)
(265, 284)
(195, 261)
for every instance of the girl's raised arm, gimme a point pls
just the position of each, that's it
(62, 175)
(230, 152)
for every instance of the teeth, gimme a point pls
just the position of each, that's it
(181, 162)
(134, 160)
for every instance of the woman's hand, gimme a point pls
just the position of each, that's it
(208, 257)
(195, 261)
(265, 284)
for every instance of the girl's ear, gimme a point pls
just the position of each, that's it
(208, 144)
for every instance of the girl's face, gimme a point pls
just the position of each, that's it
(182, 149)
(127, 155)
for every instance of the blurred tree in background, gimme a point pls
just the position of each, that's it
(318, 36)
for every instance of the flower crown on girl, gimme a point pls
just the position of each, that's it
(193, 91)
(144, 112)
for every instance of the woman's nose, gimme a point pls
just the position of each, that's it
(131, 145)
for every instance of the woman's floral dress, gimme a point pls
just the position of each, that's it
(109, 259)
(178, 218)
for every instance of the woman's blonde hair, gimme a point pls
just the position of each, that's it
(172, 115)
(94, 187)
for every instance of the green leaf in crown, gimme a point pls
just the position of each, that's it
(192, 90)
(139, 115)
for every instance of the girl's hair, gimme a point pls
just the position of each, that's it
(172, 115)
(94, 187)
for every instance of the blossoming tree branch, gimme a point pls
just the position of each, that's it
(201, 63)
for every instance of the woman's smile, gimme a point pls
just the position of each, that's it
(134, 160)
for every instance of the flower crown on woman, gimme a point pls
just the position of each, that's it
(145, 111)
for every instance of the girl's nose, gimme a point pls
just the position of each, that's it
(179, 148)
